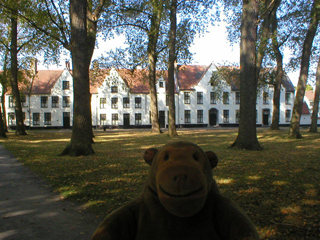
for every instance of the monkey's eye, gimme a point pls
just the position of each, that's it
(166, 157)
(195, 156)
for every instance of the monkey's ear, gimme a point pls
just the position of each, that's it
(149, 155)
(213, 159)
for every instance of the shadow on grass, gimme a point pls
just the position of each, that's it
(278, 187)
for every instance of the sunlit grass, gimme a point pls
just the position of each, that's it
(278, 187)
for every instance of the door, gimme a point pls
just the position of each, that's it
(126, 120)
(213, 117)
(66, 120)
(162, 119)
(265, 117)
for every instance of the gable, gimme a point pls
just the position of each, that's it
(188, 76)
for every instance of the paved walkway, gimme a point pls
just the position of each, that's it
(30, 210)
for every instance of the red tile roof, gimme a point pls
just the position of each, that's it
(189, 76)
(305, 109)
(45, 81)
(310, 95)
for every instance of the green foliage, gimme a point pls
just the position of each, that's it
(227, 76)
(309, 88)
(278, 187)
(134, 20)
(218, 83)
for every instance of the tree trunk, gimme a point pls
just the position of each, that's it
(81, 138)
(152, 62)
(315, 110)
(264, 38)
(4, 83)
(20, 129)
(171, 69)
(2, 128)
(4, 112)
(247, 134)
(279, 73)
(294, 131)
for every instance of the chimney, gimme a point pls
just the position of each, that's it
(34, 66)
(68, 65)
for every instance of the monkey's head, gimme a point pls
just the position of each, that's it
(181, 175)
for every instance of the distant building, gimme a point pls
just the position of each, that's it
(120, 99)
(309, 103)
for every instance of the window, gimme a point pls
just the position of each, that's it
(47, 118)
(265, 98)
(167, 100)
(138, 120)
(213, 98)
(161, 84)
(114, 103)
(187, 116)
(54, 101)
(11, 118)
(288, 98)
(187, 98)
(288, 115)
(103, 119)
(23, 101)
(65, 101)
(237, 97)
(36, 118)
(11, 102)
(237, 116)
(126, 102)
(226, 116)
(200, 116)
(65, 85)
(199, 97)
(114, 89)
(114, 118)
(103, 103)
(225, 98)
(44, 102)
(137, 102)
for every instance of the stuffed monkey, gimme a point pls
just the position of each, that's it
(180, 201)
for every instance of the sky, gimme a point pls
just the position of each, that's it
(212, 47)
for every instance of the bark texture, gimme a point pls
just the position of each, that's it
(294, 131)
(81, 138)
(247, 135)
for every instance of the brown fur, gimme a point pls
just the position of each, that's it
(180, 201)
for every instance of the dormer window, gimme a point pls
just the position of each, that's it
(161, 84)
(114, 89)
(65, 85)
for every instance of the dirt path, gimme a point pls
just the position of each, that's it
(30, 210)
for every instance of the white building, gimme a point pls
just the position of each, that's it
(120, 98)
(309, 103)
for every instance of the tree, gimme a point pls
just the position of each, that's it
(4, 78)
(20, 129)
(153, 36)
(171, 69)
(294, 131)
(74, 25)
(146, 27)
(315, 110)
(279, 73)
(247, 136)
(21, 41)
(80, 143)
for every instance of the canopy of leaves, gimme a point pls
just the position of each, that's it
(133, 19)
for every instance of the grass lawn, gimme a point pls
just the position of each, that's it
(278, 187)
